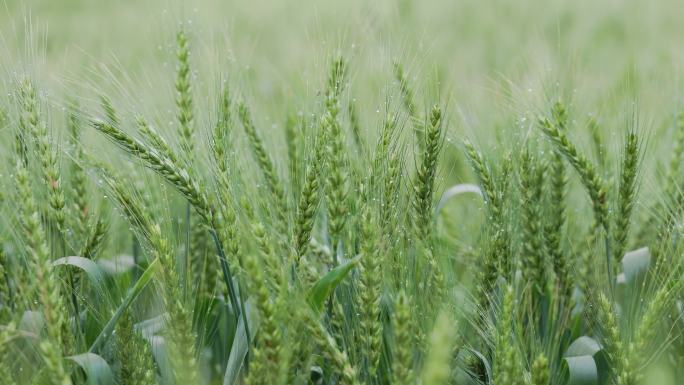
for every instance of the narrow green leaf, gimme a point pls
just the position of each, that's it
(238, 350)
(228, 278)
(324, 286)
(133, 293)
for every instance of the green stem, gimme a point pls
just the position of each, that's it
(186, 257)
(228, 277)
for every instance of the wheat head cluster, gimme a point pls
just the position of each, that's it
(136, 251)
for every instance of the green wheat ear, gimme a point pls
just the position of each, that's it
(339, 359)
(32, 122)
(184, 102)
(402, 354)
(43, 280)
(592, 182)
(387, 164)
(540, 370)
(671, 192)
(155, 139)
(507, 368)
(294, 131)
(110, 112)
(612, 340)
(533, 258)
(266, 165)
(556, 215)
(355, 124)
(409, 103)
(309, 199)
(495, 260)
(370, 282)
(181, 334)
(586, 170)
(223, 129)
(171, 171)
(626, 194)
(95, 238)
(426, 175)
(136, 366)
(437, 367)
(337, 180)
(268, 350)
(7, 334)
(78, 178)
(639, 351)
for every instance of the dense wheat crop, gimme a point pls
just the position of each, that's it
(395, 192)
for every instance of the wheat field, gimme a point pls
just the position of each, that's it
(396, 192)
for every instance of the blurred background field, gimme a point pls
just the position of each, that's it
(495, 64)
(480, 54)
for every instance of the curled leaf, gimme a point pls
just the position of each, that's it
(91, 269)
(324, 286)
(97, 370)
(584, 362)
(458, 189)
(581, 370)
